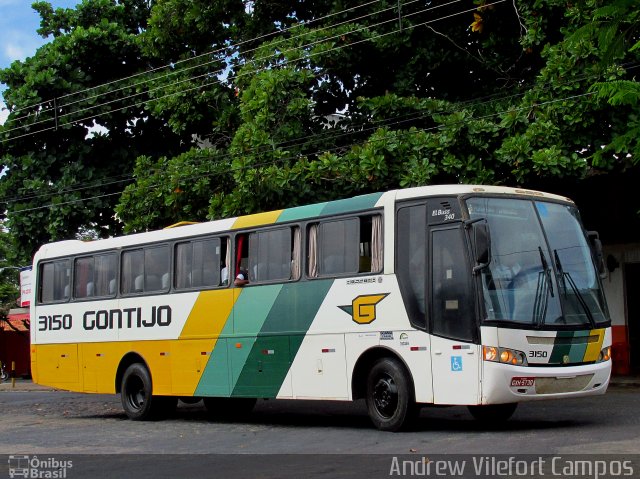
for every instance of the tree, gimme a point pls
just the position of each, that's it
(69, 143)
(267, 105)
(10, 262)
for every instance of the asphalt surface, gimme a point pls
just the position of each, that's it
(308, 439)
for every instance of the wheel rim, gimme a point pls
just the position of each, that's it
(385, 396)
(135, 393)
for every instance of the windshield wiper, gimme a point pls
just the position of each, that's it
(547, 270)
(567, 276)
(541, 300)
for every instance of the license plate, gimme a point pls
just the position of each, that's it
(522, 382)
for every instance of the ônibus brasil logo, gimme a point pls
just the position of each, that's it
(34, 467)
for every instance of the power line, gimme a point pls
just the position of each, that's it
(212, 52)
(329, 133)
(353, 133)
(57, 118)
(281, 160)
(245, 73)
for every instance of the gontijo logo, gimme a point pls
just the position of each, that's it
(363, 308)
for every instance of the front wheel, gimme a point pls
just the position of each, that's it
(137, 401)
(493, 413)
(390, 400)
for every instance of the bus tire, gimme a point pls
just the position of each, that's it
(390, 400)
(493, 413)
(137, 401)
(228, 408)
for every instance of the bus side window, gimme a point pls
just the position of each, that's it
(272, 255)
(156, 268)
(95, 276)
(132, 271)
(55, 281)
(197, 263)
(104, 274)
(345, 246)
(83, 278)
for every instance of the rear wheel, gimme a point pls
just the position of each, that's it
(137, 401)
(390, 399)
(493, 413)
(229, 408)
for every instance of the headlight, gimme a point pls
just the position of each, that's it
(504, 355)
(605, 354)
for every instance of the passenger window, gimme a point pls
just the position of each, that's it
(273, 255)
(200, 264)
(55, 281)
(95, 276)
(132, 272)
(156, 269)
(145, 270)
(348, 246)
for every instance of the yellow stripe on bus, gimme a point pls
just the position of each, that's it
(593, 348)
(267, 218)
(176, 365)
(209, 314)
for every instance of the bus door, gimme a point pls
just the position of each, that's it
(455, 356)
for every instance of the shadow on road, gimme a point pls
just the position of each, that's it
(319, 414)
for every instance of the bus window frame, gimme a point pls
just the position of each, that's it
(246, 232)
(142, 248)
(76, 299)
(40, 266)
(224, 236)
(330, 218)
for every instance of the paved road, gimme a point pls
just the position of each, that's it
(49, 423)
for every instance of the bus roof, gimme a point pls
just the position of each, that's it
(354, 204)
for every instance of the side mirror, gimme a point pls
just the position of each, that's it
(596, 248)
(482, 245)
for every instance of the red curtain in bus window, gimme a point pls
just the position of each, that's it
(239, 253)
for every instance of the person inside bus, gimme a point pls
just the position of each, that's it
(242, 253)
(242, 278)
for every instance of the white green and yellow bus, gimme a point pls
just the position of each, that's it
(481, 296)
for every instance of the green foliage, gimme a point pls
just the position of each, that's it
(174, 189)
(61, 176)
(273, 104)
(10, 261)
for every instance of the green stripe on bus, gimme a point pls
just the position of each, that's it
(215, 379)
(250, 312)
(272, 354)
(576, 355)
(358, 203)
(301, 212)
(236, 340)
(252, 307)
(560, 350)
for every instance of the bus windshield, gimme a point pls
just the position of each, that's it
(541, 270)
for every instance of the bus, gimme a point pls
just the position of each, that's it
(481, 296)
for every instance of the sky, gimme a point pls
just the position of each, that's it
(18, 37)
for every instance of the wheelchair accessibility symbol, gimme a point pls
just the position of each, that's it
(456, 363)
